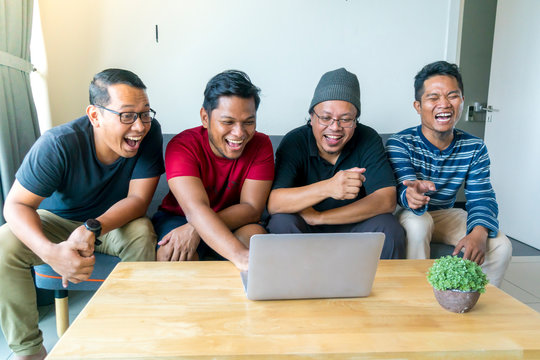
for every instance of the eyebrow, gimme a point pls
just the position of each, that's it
(233, 118)
(341, 115)
(130, 106)
(438, 94)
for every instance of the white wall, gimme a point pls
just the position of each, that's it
(284, 46)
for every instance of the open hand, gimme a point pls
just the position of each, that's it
(474, 245)
(180, 244)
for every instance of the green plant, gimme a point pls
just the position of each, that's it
(455, 273)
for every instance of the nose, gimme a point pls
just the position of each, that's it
(444, 101)
(238, 130)
(335, 125)
(138, 125)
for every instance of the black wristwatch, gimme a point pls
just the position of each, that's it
(94, 226)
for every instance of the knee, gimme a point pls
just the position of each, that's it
(245, 233)
(394, 243)
(501, 247)
(139, 232)
(10, 246)
(13, 253)
(286, 224)
(417, 227)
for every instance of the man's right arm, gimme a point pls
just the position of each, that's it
(23, 220)
(192, 198)
(409, 187)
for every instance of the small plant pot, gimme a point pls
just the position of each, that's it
(456, 300)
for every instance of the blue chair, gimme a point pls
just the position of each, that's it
(47, 278)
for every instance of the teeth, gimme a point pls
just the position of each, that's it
(444, 114)
(134, 138)
(335, 137)
(235, 141)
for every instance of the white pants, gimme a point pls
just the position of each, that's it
(449, 226)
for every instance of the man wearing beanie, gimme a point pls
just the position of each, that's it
(332, 174)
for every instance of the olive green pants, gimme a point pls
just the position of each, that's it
(19, 316)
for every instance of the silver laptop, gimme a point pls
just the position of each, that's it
(304, 266)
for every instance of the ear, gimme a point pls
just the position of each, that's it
(92, 113)
(418, 106)
(205, 118)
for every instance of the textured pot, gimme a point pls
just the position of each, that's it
(455, 300)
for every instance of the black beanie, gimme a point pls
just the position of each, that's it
(337, 85)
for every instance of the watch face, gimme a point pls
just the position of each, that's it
(93, 224)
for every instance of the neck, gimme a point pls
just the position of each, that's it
(104, 154)
(331, 158)
(441, 140)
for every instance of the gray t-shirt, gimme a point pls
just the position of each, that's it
(63, 167)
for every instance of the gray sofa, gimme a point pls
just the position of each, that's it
(437, 250)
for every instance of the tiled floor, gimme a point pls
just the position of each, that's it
(522, 281)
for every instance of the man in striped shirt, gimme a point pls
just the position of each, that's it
(431, 162)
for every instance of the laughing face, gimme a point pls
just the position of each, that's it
(332, 138)
(440, 108)
(230, 126)
(114, 139)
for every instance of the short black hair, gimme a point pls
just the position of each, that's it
(99, 93)
(434, 69)
(229, 83)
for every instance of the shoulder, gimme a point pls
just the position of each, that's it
(69, 135)
(466, 138)
(298, 135)
(260, 146)
(260, 138)
(466, 142)
(364, 134)
(188, 137)
(407, 135)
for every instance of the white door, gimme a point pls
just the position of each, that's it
(513, 132)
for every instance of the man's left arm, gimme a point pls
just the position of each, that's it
(253, 199)
(133, 206)
(381, 201)
(482, 209)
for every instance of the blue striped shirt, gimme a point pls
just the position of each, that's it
(466, 160)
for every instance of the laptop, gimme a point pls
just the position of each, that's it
(308, 266)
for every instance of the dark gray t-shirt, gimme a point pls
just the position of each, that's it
(298, 163)
(63, 167)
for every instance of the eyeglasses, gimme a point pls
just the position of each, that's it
(328, 121)
(130, 117)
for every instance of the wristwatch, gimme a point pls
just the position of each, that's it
(94, 226)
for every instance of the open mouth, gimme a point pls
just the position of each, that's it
(133, 141)
(332, 139)
(234, 144)
(443, 117)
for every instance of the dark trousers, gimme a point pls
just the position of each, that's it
(164, 222)
(394, 244)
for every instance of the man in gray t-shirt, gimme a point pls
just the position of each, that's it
(83, 186)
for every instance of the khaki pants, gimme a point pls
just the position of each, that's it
(135, 241)
(449, 226)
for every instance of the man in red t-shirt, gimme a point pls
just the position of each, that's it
(220, 176)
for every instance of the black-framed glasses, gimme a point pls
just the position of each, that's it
(129, 117)
(328, 121)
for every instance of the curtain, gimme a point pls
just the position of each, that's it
(19, 126)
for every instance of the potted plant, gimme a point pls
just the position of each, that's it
(457, 283)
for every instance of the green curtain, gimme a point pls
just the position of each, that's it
(19, 126)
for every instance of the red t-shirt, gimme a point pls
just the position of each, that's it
(189, 154)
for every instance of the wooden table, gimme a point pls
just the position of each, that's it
(198, 310)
